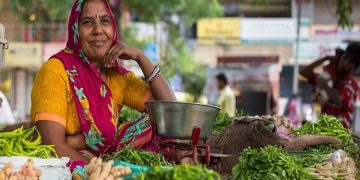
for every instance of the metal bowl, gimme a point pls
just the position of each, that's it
(178, 119)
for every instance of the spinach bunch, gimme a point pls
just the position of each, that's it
(222, 121)
(268, 163)
(127, 114)
(188, 172)
(329, 126)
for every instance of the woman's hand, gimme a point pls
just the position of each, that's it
(159, 87)
(76, 141)
(121, 51)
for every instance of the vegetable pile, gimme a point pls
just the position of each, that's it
(339, 166)
(27, 171)
(20, 142)
(222, 121)
(127, 114)
(139, 157)
(330, 126)
(270, 162)
(188, 172)
(99, 170)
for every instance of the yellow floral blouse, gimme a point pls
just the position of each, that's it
(52, 98)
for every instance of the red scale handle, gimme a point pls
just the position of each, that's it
(195, 135)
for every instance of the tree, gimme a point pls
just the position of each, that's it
(41, 11)
(149, 10)
(177, 58)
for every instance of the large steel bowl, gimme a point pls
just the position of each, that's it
(178, 119)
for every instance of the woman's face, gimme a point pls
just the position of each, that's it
(95, 30)
(346, 64)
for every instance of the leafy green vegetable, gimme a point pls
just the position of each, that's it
(138, 157)
(127, 115)
(270, 162)
(188, 172)
(330, 126)
(312, 156)
(222, 121)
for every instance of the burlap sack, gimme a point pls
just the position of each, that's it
(303, 141)
(243, 133)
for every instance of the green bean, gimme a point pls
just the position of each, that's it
(179, 172)
(138, 156)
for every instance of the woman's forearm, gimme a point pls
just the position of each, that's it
(307, 71)
(53, 133)
(159, 86)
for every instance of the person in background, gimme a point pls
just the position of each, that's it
(337, 86)
(293, 110)
(226, 99)
(6, 115)
(78, 93)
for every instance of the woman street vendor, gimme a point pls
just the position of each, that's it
(79, 91)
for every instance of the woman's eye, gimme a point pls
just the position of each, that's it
(106, 21)
(86, 22)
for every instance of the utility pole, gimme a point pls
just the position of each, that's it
(296, 64)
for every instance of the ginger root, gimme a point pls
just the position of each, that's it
(99, 170)
(6, 170)
(28, 171)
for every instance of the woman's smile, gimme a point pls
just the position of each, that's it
(99, 43)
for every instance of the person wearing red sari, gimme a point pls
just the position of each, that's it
(339, 96)
(79, 91)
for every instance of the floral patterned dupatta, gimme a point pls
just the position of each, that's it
(91, 95)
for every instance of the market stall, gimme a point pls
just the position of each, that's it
(269, 147)
(197, 142)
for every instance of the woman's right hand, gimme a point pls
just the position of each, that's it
(122, 51)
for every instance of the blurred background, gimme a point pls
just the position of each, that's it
(258, 44)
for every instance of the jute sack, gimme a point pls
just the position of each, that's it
(243, 133)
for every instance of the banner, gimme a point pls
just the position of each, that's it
(23, 54)
(332, 32)
(272, 30)
(309, 51)
(213, 28)
(269, 30)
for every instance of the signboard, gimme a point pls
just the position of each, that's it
(268, 30)
(272, 30)
(22, 54)
(309, 51)
(212, 28)
(331, 32)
